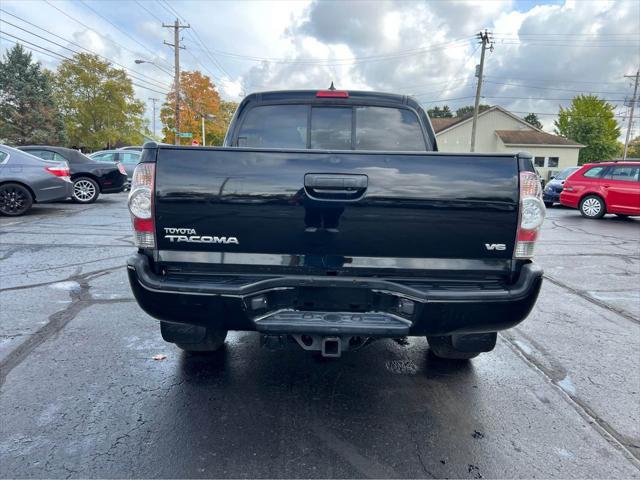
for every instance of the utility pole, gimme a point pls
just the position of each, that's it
(633, 104)
(486, 41)
(176, 52)
(154, 100)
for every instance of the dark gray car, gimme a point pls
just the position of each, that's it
(25, 180)
(128, 158)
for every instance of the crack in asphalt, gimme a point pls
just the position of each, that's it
(419, 452)
(28, 272)
(611, 435)
(80, 300)
(42, 246)
(595, 301)
(51, 282)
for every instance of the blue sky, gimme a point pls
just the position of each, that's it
(545, 52)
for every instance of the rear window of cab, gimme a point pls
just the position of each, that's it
(331, 128)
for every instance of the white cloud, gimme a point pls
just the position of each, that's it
(407, 47)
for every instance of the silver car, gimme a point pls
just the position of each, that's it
(25, 180)
(128, 158)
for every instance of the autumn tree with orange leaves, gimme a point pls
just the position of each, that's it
(198, 97)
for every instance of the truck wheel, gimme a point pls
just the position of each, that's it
(192, 338)
(462, 347)
(592, 206)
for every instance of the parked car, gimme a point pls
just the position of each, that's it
(551, 192)
(90, 178)
(25, 180)
(135, 148)
(128, 158)
(330, 217)
(608, 187)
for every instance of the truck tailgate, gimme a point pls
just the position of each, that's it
(335, 210)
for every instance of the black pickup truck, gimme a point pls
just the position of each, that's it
(330, 218)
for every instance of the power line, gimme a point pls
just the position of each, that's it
(554, 80)
(195, 59)
(569, 33)
(58, 56)
(198, 39)
(518, 98)
(347, 61)
(141, 5)
(572, 115)
(547, 98)
(551, 88)
(171, 10)
(120, 30)
(136, 75)
(462, 67)
(553, 44)
(91, 29)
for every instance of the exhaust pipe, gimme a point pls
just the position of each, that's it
(331, 347)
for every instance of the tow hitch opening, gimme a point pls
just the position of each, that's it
(331, 347)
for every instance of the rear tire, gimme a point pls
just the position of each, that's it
(548, 204)
(442, 347)
(462, 346)
(192, 338)
(15, 199)
(211, 343)
(592, 206)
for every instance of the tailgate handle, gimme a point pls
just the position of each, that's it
(332, 186)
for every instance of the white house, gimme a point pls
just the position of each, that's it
(501, 131)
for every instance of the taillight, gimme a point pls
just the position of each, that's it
(58, 171)
(141, 205)
(531, 214)
(332, 94)
(121, 169)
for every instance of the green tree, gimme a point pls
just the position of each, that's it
(468, 110)
(437, 112)
(532, 119)
(98, 104)
(28, 113)
(590, 121)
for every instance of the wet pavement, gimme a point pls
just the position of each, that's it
(81, 396)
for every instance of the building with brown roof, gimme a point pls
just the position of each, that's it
(499, 130)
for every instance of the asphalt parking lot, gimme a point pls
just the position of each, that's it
(81, 396)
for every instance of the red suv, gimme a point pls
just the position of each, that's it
(608, 187)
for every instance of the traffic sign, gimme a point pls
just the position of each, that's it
(185, 135)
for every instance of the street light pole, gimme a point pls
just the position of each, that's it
(154, 100)
(208, 116)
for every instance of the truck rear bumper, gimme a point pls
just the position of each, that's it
(365, 306)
